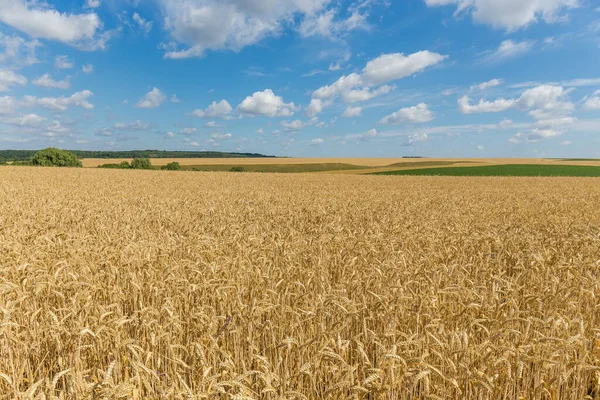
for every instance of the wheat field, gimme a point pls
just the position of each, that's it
(189, 285)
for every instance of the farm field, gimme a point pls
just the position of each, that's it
(334, 165)
(504, 170)
(190, 285)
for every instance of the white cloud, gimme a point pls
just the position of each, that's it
(169, 135)
(210, 124)
(417, 114)
(145, 26)
(484, 106)
(480, 148)
(418, 137)
(47, 82)
(87, 69)
(352, 112)
(221, 136)
(10, 78)
(39, 20)
(134, 126)
(220, 110)
(188, 131)
(316, 142)
(18, 52)
(552, 122)
(234, 24)
(153, 99)
(326, 24)
(8, 105)
(505, 123)
(566, 143)
(314, 108)
(24, 120)
(509, 49)
(362, 136)
(60, 104)
(364, 94)
(534, 136)
(546, 102)
(386, 68)
(266, 103)
(92, 3)
(391, 67)
(510, 15)
(63, 62)
(105, 132)
(486, 85)
(593, 102)
(174, 99)
(297, 125)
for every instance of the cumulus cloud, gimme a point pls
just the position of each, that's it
(197, 26)
(505, 123)
(391, 67)
(417, 114)
(593, 102)
(486, 85)
(92, 3)
(153, 99)
(510, 15)
(61, 104)
(371, 133)
(134, 126)
(498, 105)
(417, 137)
(10, 78)
(87, 69)
(266, 103)
(534, 136)
(386, 68)
(39, 20)
(18, 52)
(509, 49)
(316, 142)
(174, 99)
(47, 82)
(364, 94)
(297, 125)
(220, 110)
(24, 120)
(63, 62)
(104, 132)
(314, 108)
(352, 112)
(188, 131)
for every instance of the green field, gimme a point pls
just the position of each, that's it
(503, 170)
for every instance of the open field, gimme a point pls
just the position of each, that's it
(190, 285)
(504, 170)
(335, 165)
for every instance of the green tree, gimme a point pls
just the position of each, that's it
(172, 166)
(141, 163)
(53, 157)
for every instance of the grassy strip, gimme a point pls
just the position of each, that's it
(504, 170)
(280, 168)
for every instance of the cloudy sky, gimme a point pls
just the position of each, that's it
(311, 78)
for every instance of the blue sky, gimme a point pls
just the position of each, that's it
(308, 78)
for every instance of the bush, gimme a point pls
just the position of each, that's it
(123, 165)
(141, 163)
(172, 166)
(237, 169)
(53, 157)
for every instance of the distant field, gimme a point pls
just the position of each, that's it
(277, 168)
(504, 170)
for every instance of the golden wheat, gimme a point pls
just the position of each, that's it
(188, 285)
